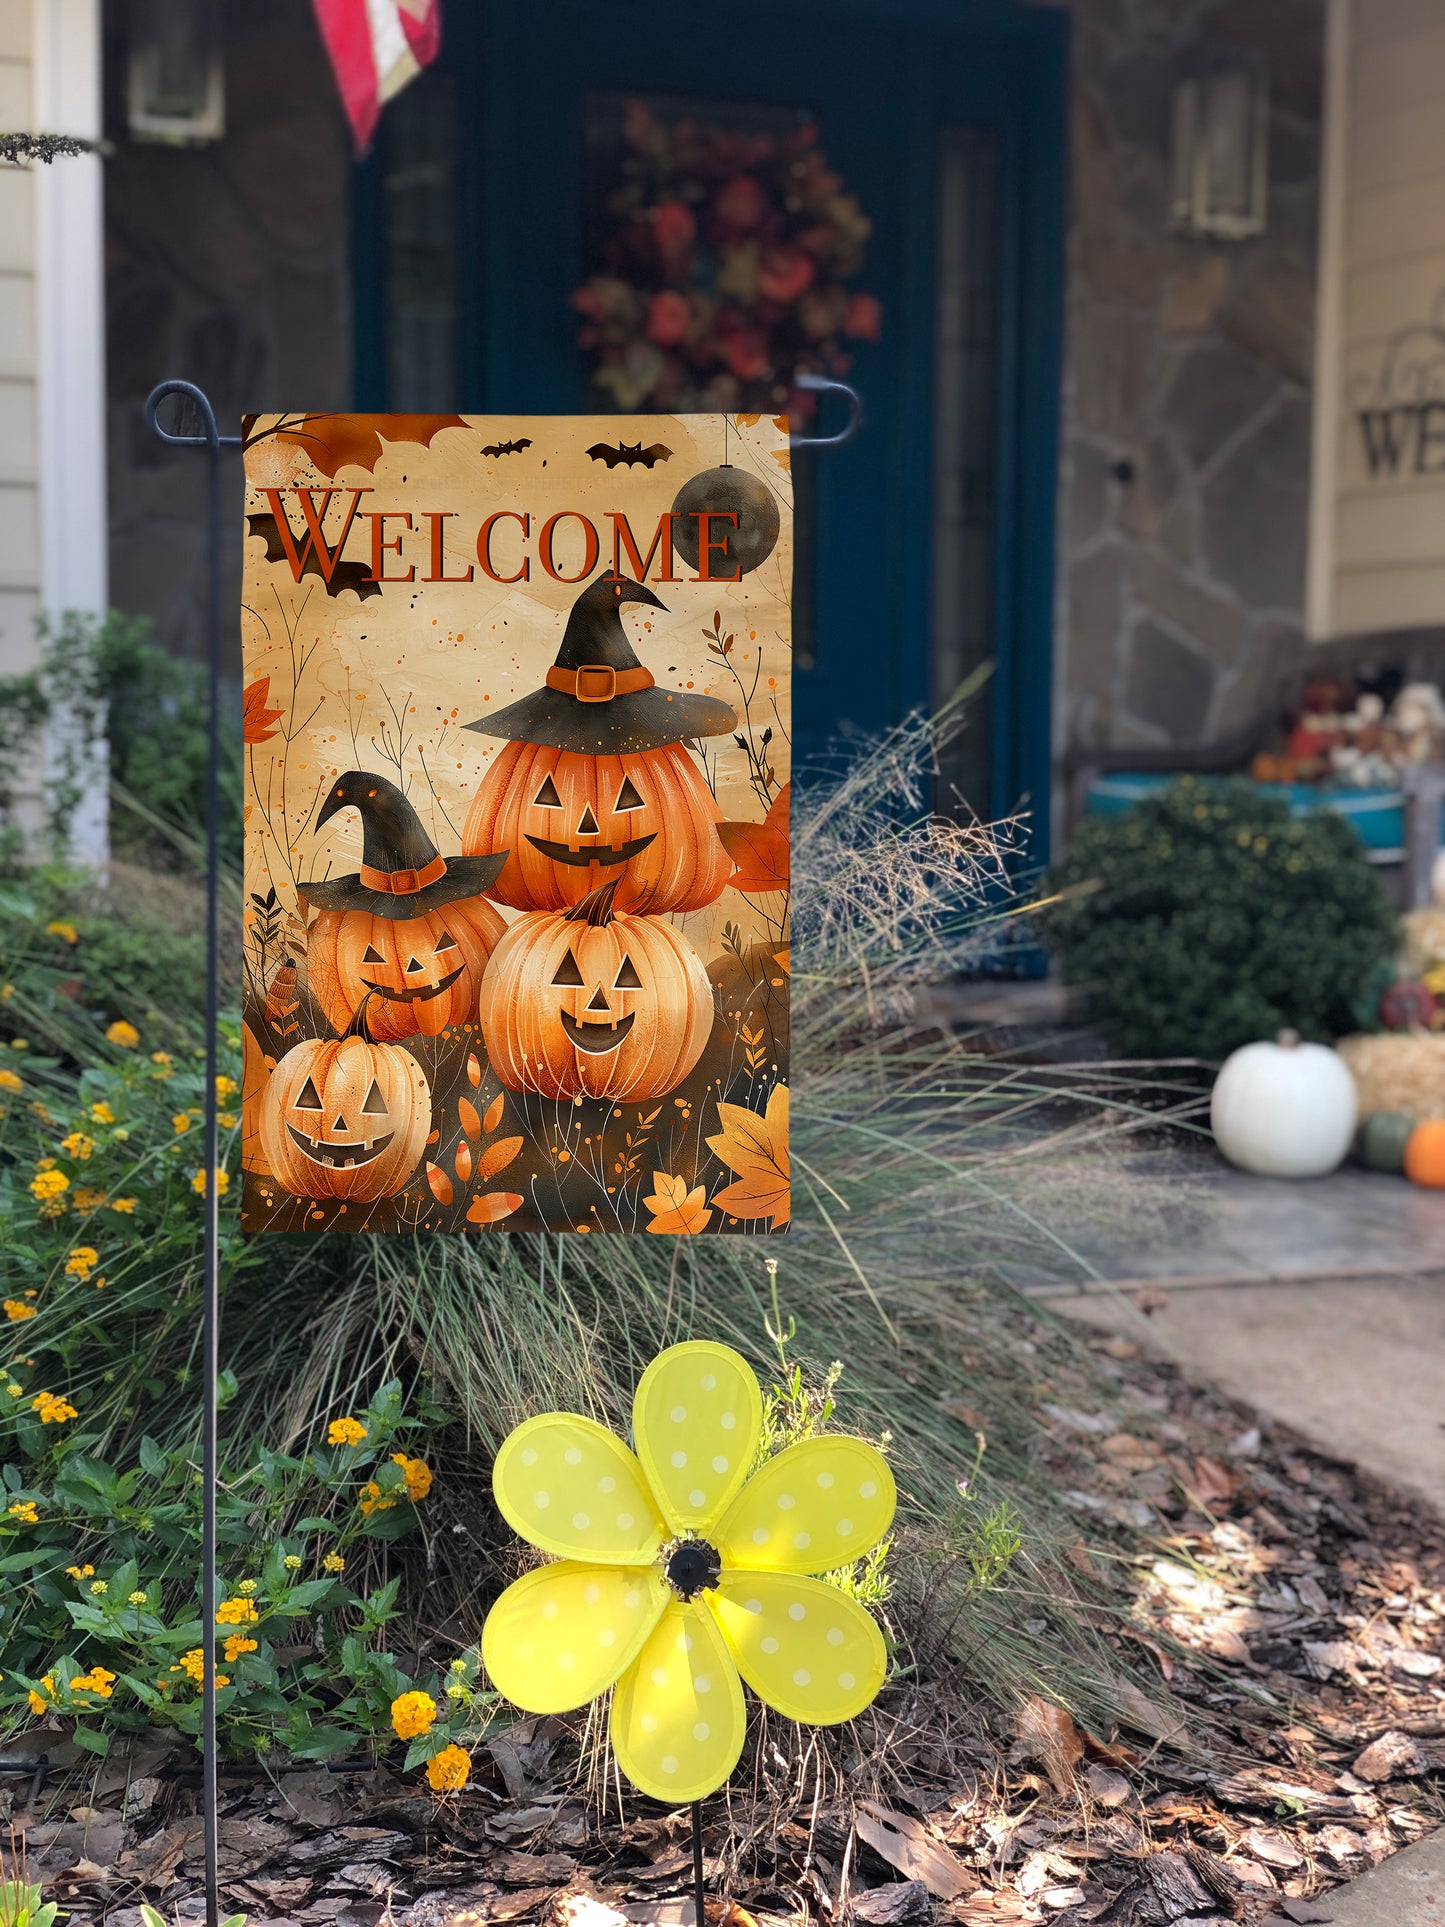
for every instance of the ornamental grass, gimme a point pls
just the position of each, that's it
(931, 1169)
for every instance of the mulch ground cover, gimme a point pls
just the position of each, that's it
(1294, 1610)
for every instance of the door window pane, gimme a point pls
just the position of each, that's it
(965, 379)
(419, 187)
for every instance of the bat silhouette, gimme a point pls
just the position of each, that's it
(344, 575)
(630, 452)
(507, 448)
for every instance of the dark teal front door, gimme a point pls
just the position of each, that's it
(933, 532)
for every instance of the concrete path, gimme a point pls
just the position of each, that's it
(1323, 1304)
(1407, 1890)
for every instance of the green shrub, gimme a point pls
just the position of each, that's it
(105, 674)
(1208, 917)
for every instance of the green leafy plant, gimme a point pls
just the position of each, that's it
(99, 1591)
(22, 1906)
(103, 680)
(1207, 917)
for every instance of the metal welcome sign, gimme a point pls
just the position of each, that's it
(516, 840)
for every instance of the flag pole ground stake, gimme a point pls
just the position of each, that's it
(213, 443)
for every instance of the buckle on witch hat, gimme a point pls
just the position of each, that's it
(588, 692)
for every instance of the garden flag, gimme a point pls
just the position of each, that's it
(516, 719)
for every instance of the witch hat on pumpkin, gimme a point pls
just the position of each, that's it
(401, 873)
(598, 698)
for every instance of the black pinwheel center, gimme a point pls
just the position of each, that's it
(692, 1566)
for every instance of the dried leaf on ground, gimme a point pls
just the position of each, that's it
(905, 1843)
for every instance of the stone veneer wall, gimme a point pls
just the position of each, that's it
(1185, 480)
(229, 266)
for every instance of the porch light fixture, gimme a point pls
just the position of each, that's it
(1219, 150)
(175, 82)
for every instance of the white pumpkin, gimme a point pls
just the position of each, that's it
(1284, 1110)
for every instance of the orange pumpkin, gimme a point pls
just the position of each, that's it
(345, 1117)
(644, 819)
(592, 1004)
(1425, 1153)
(423, 972)
(256, 1067)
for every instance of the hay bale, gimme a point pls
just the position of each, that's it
(1422, 941)
(1400, 1071)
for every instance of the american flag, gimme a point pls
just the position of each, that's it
(376, 47)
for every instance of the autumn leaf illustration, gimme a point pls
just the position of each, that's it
(784, 960)
(256, 718)
(676, 1209)
(353, 441)
(497, 1157)
(492, 1205)
(757, 1149)
(760, 850)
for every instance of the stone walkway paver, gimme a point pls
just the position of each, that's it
(1407, 1890)
(1322, 1304)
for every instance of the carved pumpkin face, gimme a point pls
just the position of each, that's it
(345, 1118)
(615, 1008)
(572, 822)
(425, 971)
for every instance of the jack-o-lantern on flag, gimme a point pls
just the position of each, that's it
(517, 724)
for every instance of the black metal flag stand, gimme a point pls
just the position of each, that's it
(213, 442)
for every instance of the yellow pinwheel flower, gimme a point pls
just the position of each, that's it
(677, 1572)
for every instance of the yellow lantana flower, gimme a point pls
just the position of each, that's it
(680, 1573)
(66, 932)
(81, 1262)
(223, 1183)
(448, 1770)
(25, 1511)
(345, 1431)
(54, 1408)
(15, 1309)
(81, 1572)
(413, 1714)
(122, 1033)
(236, 1644)
(10, 1082)
(193, 1663)
(87, 1198)
(373, 1499)
(98, 1680)
(47, 1185)
(225, 1087)
(417, 1474)
(333, 1563)
(236, 1612)
(102, 1113)
(124, 1205)
(181, 1122)
(40, 1702)
(78, 1145)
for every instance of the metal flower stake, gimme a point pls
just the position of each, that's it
(683, 1570)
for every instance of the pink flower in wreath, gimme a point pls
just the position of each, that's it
(673, 228)
(746, 354)
(669, 316)
(786, 274)
(864, 319)
(740, 202)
